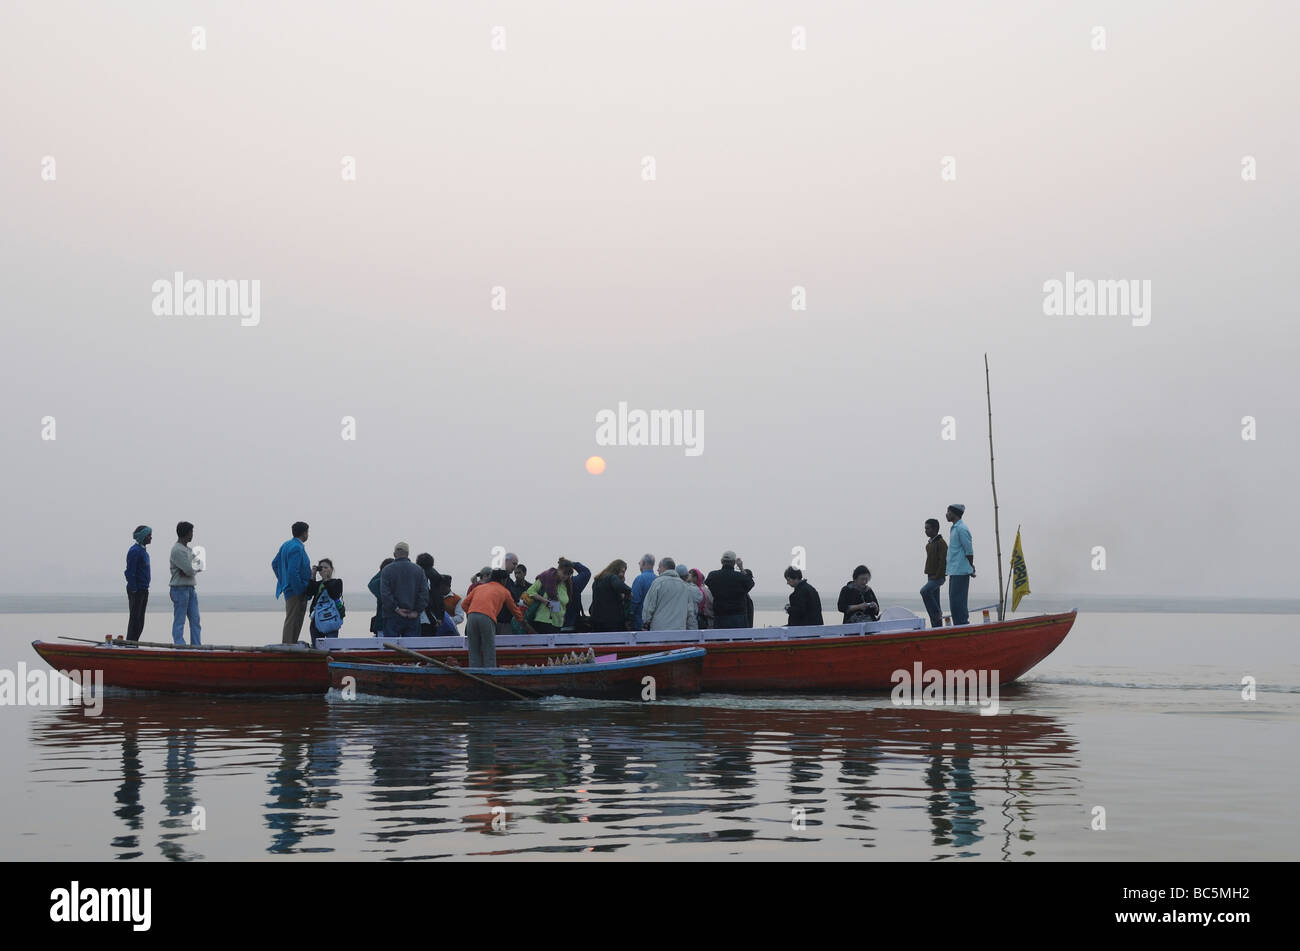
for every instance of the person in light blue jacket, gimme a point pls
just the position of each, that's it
(293, 576)
(961, 564)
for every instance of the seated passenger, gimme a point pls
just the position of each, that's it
(857, 600)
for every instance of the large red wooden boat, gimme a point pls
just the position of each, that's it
(244, 670)
(841, 658)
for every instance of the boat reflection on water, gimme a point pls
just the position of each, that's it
(179, 800)
(405, 780)
(129, 808)
(302, 785)
(176, 744)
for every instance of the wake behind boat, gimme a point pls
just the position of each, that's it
(664, 673)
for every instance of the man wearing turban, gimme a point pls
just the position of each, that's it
(137, 581)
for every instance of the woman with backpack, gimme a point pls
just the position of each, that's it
(325, 596)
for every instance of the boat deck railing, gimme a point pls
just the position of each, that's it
(888, 624)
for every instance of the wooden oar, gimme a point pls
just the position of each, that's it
(283, 649)
(460, 670)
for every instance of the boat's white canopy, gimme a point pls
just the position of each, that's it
(892, 619)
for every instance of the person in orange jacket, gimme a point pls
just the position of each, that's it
(482, 605)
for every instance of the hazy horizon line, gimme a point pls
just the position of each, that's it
(246, 601)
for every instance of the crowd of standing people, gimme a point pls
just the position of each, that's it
(412, 598)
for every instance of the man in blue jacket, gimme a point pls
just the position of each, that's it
(640, 587)
(293, 574)
(137, 581)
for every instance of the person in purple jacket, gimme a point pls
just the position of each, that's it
(137, 581)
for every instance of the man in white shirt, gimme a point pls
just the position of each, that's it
(185, 599)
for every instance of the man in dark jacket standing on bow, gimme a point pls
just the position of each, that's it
(936, 569)
(138, 576)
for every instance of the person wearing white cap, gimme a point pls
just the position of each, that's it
(514, 584)
(961, 564)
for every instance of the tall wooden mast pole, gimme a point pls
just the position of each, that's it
(997, 531)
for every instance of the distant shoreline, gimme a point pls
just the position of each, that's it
(1116, 604)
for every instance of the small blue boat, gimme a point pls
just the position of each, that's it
(648, 676)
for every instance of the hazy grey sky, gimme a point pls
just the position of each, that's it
(775, 168)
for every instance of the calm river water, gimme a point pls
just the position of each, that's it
(1141, 716)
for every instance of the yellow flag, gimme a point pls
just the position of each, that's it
(1019, 574)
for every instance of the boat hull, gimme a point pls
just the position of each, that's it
(828, 662)
(674, 673)
(179, 670)
(845, 663)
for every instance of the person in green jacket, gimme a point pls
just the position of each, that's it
(548, 597)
